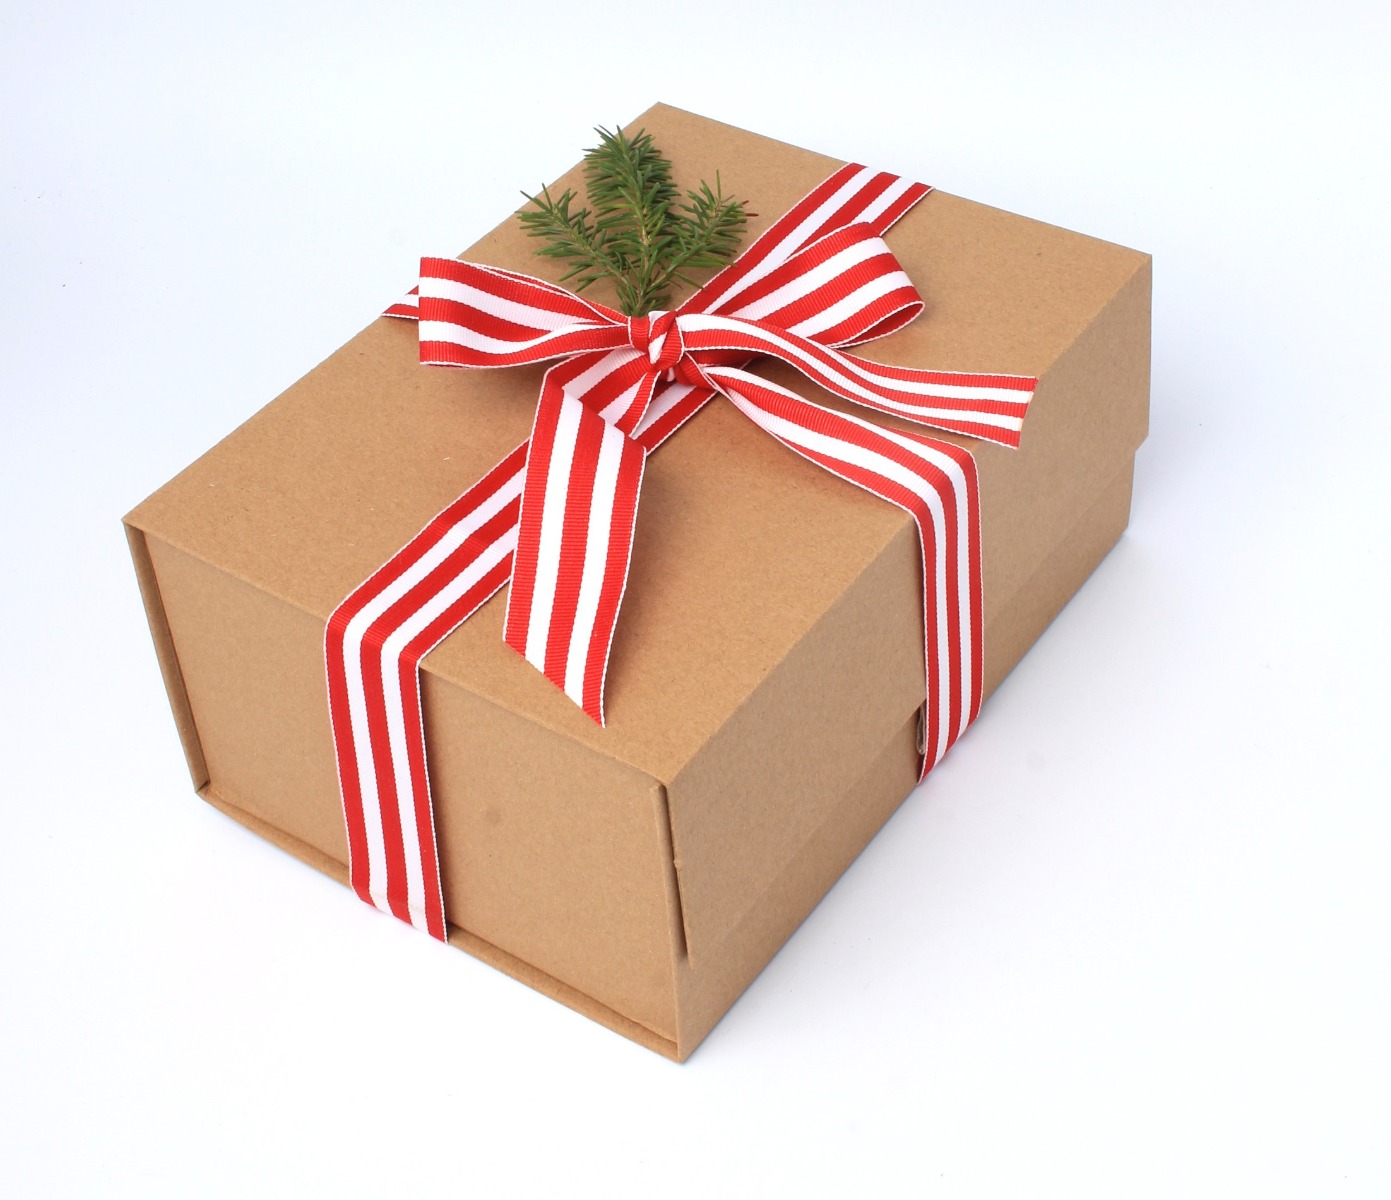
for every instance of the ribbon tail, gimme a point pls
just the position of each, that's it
(853, 194)
(579, 504)
(407, 308)
(935, 482)
(373, 646)
(988, 407)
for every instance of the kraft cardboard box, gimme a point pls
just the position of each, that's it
(766, 679)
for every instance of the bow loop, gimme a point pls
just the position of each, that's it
(473, 315)
(844, 288)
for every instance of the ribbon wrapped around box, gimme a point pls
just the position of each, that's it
(642, 858)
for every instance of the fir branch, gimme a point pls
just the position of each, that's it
(571, 235)
(637, 236)
(709, 235)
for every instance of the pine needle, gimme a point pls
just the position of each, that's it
(638, 234)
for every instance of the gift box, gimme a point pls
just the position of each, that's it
(765, 687)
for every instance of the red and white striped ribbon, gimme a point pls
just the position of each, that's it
(556, 516)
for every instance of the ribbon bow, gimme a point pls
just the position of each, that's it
(556, 516)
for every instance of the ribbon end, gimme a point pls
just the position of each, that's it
(594, 710)
(588, 695)
(574, 543)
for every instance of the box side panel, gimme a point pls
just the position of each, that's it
(553, 855)
(553, 852)
(254, 671)
(1089, 416)
(772, 774)
(168, 658)
(708, 986)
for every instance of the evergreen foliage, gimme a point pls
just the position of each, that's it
(637, 232)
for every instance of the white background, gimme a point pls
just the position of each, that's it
(1133, 939)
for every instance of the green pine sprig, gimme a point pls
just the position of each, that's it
(637, 232)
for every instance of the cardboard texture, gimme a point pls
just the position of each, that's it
(767, 671)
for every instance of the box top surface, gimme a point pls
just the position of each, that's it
(740, 547)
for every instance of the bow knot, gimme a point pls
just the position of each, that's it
(658, 336)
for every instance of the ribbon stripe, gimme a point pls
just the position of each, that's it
(556, 517)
